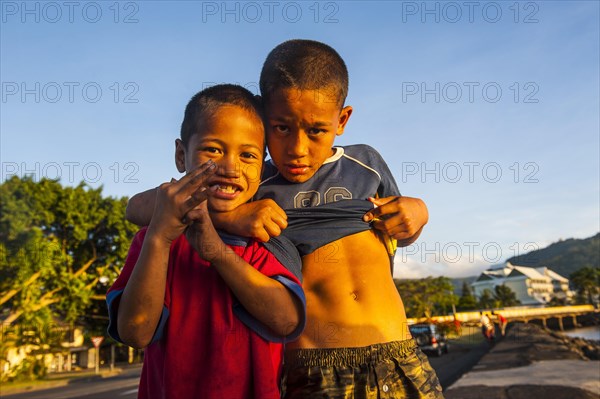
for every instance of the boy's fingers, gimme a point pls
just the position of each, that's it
(382, 208)
(197, 213)
(280, 222)
(262, 236)
(379, 201)
(190, 182)
(395, 228)
(197, 197)
(280, 216)
(396, 232)
(273, 229)
(377, 213)
(269, 209)
(386, 208)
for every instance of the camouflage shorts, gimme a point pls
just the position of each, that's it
(391, 370)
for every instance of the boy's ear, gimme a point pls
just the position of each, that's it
(180, 155)
(343, 119)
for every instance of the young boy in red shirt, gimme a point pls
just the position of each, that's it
(211, 309)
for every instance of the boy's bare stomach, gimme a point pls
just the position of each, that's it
(351, 300)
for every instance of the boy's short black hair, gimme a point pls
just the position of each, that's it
(206, 102)
(304, 65)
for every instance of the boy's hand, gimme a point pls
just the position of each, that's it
(401, 218)
(260, 220)
(175, 199)
(201, 234)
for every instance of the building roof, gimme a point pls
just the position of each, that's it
(555, 276)
(537, 273)
(530, 272)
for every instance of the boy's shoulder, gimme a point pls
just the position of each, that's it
(358, 148)
(361, 152)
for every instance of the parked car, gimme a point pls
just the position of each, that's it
(429, 339)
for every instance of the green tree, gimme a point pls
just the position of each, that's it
(486, 300)
(467, 300)
(427, 296)
(587, 284)
(57, 245)
(505, 297)
(554, 301)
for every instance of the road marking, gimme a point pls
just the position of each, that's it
(129, 392)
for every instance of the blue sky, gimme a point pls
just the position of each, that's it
(489, 111)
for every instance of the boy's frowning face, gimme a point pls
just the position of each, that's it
(301, 127)
(234, 139)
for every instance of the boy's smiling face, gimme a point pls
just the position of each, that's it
(301, 126)
(233, 139)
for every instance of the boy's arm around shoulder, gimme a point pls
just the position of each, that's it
(260, 220)
(140, 207)
(279, 260)
(275, 302)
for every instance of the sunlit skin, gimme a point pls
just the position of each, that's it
(351, 297)
(301, 128)
(233, 138)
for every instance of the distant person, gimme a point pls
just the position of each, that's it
(345, 212)
(211, 309)
(487, 327)
(501, 323)
(457, 326)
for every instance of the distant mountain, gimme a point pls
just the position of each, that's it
(563, 257)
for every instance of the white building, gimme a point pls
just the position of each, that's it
(532, 286)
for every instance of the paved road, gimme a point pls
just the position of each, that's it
(460, 359)
(123, 386)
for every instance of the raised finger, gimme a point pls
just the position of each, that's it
(194, 180)
(196, 198)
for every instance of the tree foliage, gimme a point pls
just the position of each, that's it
(505, 297)
(57, 245)
(587, 284)
(427, 296)
(486, 300)
(467, 300)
